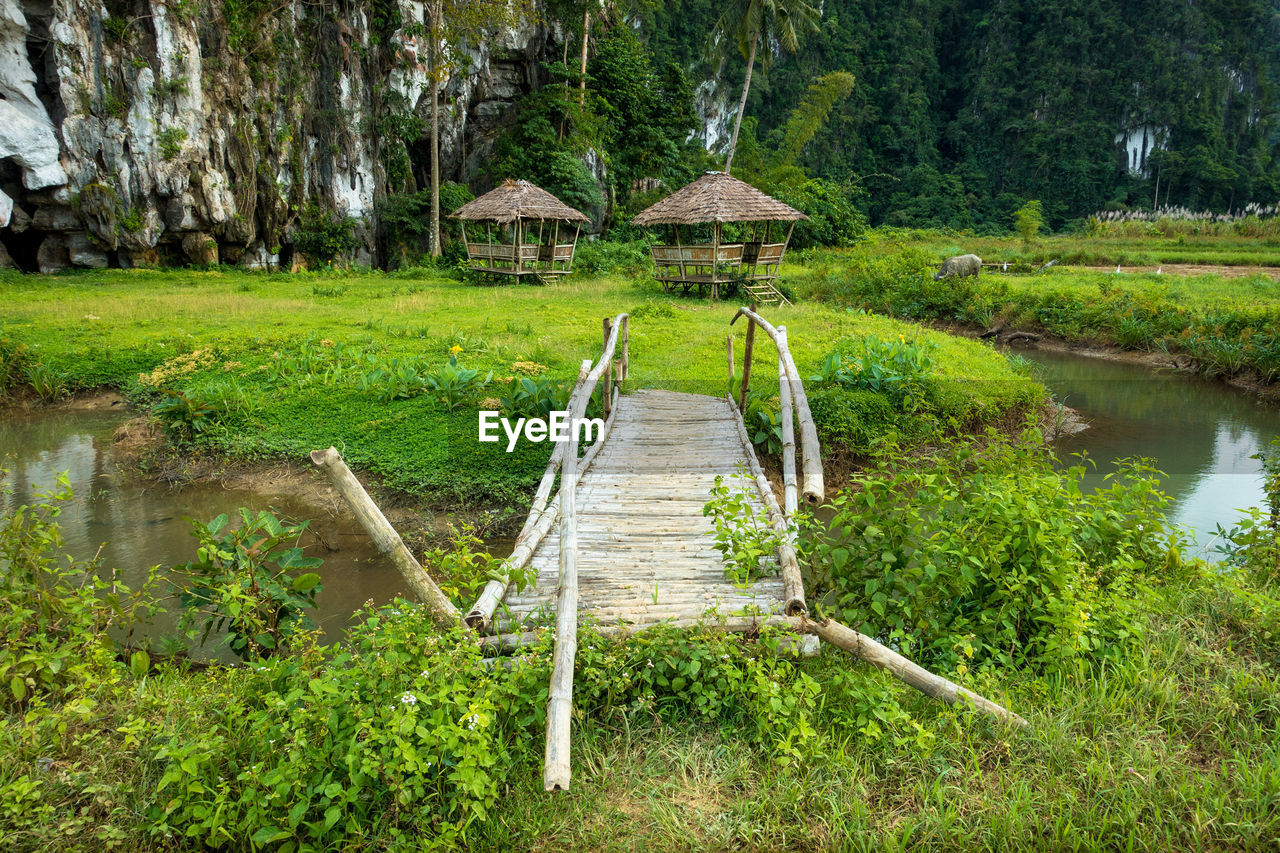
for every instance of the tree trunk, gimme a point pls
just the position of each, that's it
(436, 23)
(742, 104)
(582, 81)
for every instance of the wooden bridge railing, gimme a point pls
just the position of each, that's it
(541, 513)
(790, 393)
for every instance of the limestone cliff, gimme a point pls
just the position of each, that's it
(139, 133)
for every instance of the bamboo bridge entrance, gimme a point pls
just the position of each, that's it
(645, 550)
(624, 541)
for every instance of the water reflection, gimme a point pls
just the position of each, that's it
(1201, 433)
(138, 525)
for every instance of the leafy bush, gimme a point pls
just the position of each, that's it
(763, 422)
(994, 555)
(186, 414)
(535, 398)
(744, 536)
(834, 219)
(857, 422)
(602, 257)
(15, 359)
(901, 370)
(241, 583)
(322, 235)
(453, 385)
(57, 612)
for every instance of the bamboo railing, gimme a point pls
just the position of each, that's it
(541, 513)
(790, 395)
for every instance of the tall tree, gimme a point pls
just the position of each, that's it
(451, 21)
(744, 23)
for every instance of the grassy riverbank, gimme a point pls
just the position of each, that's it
(1229, 326)
(272, 366)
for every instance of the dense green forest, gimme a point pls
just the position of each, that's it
(961, 110)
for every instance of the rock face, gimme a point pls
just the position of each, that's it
(134, 133)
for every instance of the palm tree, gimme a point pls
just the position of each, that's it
(744, 23)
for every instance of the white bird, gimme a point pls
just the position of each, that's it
(1160, 270)
(1117, 269)
(1006, 266)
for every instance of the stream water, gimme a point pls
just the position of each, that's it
(1200, 433)
(138, 525)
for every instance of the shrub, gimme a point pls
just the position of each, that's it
(994, 555)
(57, 612)
(323, 235)
(242, 583)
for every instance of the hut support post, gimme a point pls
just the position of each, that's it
(384, 536)
(715, 265)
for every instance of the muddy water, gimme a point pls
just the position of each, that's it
(1200, 433)
(138, 525)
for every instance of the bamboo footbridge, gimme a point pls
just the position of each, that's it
(624, 541)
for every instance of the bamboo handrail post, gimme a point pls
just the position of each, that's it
(607, 388)
(789, 502)
(556, 770)
(746, 364)
(729, 341)
(384, 536)
(814, 488)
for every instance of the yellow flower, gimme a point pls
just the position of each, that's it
(455, 349)
(902, 338)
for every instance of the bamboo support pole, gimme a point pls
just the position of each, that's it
(812, 458)
(789, 502)
(729, 342)
(606, 394)
(862, 646)
(746, 364)
(793, 585)
(556, 770)
(384, 536)
(540, 514)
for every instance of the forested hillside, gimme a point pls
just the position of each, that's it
(963, 108)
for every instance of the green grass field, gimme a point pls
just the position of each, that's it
(105, 329)
(1149, 682)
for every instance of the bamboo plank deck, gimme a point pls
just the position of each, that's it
(645, 550)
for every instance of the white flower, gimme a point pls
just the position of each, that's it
(471, 721)
(408, 699)
(422, 674)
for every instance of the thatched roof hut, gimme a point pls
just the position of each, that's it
(528, 220)
(717, 197)
(514, 200)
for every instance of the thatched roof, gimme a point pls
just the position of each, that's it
(717, 197)
(518, 200)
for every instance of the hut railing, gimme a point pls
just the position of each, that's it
(612, 367)
(791, 395)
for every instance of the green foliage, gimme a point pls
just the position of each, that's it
(186, 414)
(462, 566)
(1028, 220)
(171, 139)
(57, 613)
(406, 223)
(15, 359)
(901, 370)
(811, 115)
(601, 257)
(45, 381)
(763, 422)
(1253, 543)
(453, 385)
(744, 536)
(995, 555)
(322, 235)
(244, 583)
(528, 397)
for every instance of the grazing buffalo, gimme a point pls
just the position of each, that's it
(960, 266)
